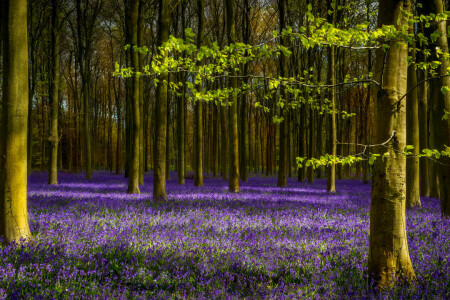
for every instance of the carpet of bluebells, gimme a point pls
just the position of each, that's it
(92, 240)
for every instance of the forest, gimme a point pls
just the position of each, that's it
(224, 149)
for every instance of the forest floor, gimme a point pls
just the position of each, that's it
(93, 240)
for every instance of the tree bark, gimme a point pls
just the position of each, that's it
(331, 172)
(423, 136)
(140, 43)
(282, 171)
(159, 155)
(388, 246)
(13, 149)
(133, 179)
(442, 125)
(53, 138)
(233, 182)
(412, 138)
(181, 129)
(198, 177)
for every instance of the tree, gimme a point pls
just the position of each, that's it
(13, 148)
(181, 116)
(388, 245)
(331, 174)
(140, 43)
(133, 179)
(85, 27)
(53, 137)
(442, 124)
(412, 137)
(198, 180)
(233, 182)
(282, 171)
(159, 155)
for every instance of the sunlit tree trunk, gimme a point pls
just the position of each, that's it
(159, 155)
(233, 182)
(13, 148)
(388, 246)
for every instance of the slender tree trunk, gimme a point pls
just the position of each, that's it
(423, 136)
(282, 171)
(224, 143)
(412, 138)
(331, 172)
(30, 113)
(388, 246)
(181, 122)
(159, 155)
(53, 138)
(119, 126)
(215, 144)
(13, 149)
(233, 182)
(168, 135)
(435, 94)
(133, 179)
(140, 43)
(181, 136)
(198, 180)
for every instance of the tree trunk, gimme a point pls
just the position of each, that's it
(168, 135)
(181, 135)
(233, 182)
(423, 136)
(215, 144)
(224, 143)
(13, 149)
(53, 138)
(434, 95)
(140, 43)
(412, 138)
(442, 125)
(159, 155)
(282, 171)
(133, 179)
(331, 172)
(388, 246)
(181, 128)
(198, 180)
